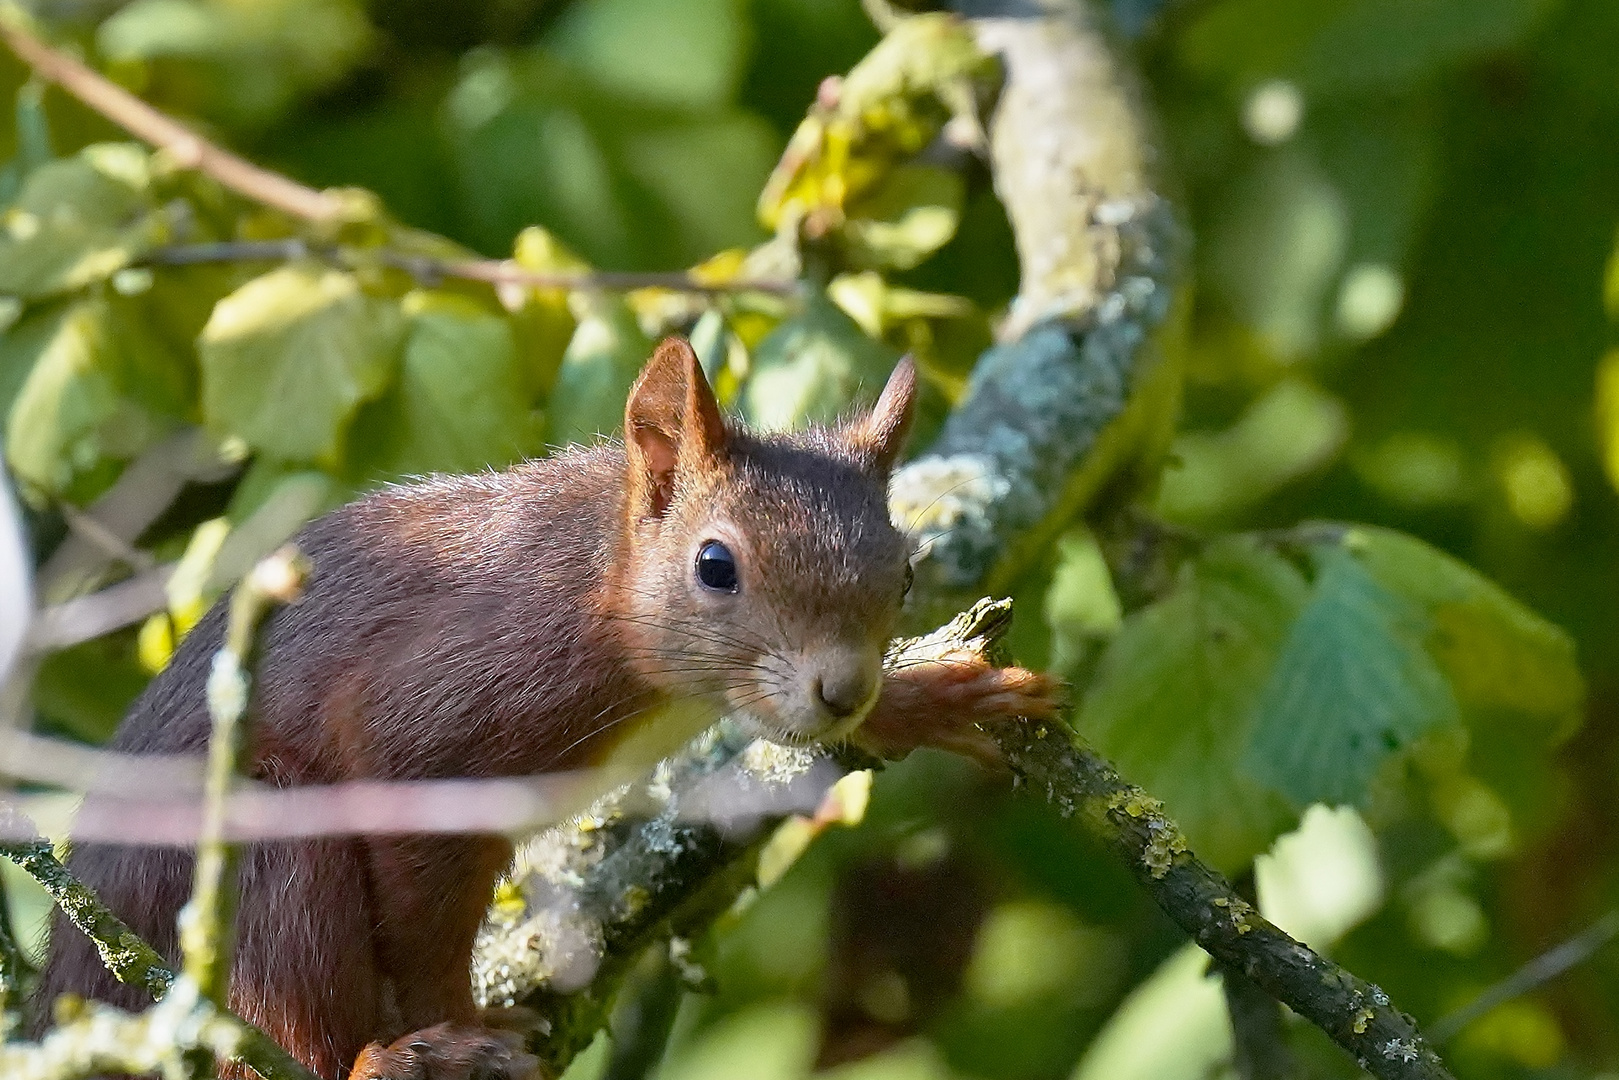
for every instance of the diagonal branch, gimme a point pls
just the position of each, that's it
(138, 118)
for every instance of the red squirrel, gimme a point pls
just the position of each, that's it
(526, 622)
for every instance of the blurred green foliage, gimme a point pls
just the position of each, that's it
(1406, 313)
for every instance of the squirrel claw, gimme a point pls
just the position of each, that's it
(448, 1052)
(941, 702)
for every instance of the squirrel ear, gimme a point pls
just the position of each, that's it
(671, 423)
(878, 437)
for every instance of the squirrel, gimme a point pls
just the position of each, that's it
(530, 621)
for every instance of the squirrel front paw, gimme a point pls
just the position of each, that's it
(448, 1052)
(941, 701)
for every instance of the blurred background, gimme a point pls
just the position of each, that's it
(1405, 286)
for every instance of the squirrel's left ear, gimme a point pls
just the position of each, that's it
(671, 423)
(877, 437)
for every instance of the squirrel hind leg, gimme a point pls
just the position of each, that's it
(448, 1052)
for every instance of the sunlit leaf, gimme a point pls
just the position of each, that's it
(607, 351)
(906, 218)
(1173, 699)
(812, 367)
(76, 220)
(1497, 654)
(72, 409)
(289, 357)
(461, 402)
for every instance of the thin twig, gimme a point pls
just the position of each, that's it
(187, 147)
(85, 618)
(37, 759)
(1542, 969)
(254, 813)
(431, 270)
(1259, 1047)
(103, 538)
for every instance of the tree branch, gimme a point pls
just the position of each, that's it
(431, 270)
(1259, 1047)
(138, 118)
(13, 968)
(1049, 763)
(1542, 969)
(129, 958)
(1081, 391)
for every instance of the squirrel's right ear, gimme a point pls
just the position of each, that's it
(671, 423)
(879, 436)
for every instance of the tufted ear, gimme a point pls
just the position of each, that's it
(877, 437)
(672, 424)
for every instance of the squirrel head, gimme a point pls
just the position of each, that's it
(762, 571)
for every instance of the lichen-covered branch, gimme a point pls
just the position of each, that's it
(13, 967)
(656, 860)
(129, 958)
(1082, 387)
(207, 920)
(96, 1039)
(1048, 763)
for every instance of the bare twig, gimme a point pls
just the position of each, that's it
(431, 270)
(187, 147)
(506, 805)
(103, 538)
(85, 618)
(1542, 969)
(59, 763)
(1259, 1048)
(144, 490)
(507, 272)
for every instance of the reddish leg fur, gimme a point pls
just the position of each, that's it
(940, 702)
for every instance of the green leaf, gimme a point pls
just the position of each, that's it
(1173, 700)
(1353, 684)
(461, 402)
(76, 220)
(1498, 655)
(72, 409)
(607, 352)
(289, 357)
(812, 367)
(245, 63)
(910, 215)
(681, 52)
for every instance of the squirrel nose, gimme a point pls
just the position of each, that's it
(843, 689)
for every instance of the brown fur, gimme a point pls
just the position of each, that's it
(511, 624)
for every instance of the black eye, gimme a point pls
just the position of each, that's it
(716, 567)
(910, 578)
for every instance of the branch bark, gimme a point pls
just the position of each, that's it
(1049, 763)
(1082, 391)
